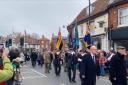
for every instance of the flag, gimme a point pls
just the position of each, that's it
(87, 39)
(59, 43)
(76, 37)
(70, 40)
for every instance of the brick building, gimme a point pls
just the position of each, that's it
(44, 43)
(54, 41)
(118, 23)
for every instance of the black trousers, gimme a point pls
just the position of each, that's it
(88, 81)
(57, 69)
(33, 63)
(120, 81)
(71, 73)
(39, 62)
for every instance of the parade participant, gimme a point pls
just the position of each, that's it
(57, 64)
(47, 62)
(118, 67)
(66, 61)
(127, 62)
(90, 67)
(72, 63)
(27, 55)
(80, 57)
(51, 59)
(40, 59)
(34, 58)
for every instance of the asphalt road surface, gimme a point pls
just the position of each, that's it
(37, 76)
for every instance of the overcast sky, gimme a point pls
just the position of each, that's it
(38, 16)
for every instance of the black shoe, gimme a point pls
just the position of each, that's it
(58, 74)
(73, 81)
(70, 81)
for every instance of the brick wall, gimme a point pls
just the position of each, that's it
(113, 15)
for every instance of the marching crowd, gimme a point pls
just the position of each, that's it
(91, 64)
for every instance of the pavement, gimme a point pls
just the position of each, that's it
(37, 76)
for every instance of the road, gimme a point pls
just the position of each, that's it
(37, 76)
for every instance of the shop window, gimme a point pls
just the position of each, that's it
(123, 16)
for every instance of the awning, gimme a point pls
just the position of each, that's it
(119, 33)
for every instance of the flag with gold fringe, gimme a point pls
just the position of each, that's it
(59, 43)
(87, 39)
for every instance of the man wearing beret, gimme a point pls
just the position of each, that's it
(118, 67)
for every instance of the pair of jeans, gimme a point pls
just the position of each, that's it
(102, 70)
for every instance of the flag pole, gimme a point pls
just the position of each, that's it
(89, 14)
(25, 38)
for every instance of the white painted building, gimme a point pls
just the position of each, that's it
(98, 31)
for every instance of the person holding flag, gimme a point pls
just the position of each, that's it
(59, 43)
(56, 61)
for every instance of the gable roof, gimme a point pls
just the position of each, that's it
(117, 2)
(99, 6)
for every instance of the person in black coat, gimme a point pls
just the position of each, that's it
(57, 64)
(80, 57)
(65, 61)
(72, 63)
(118, 68)
(34, 56)
(90, 67)
(13, 54)
(51, 59)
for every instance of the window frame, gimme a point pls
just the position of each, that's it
(119, 17)
(101, 22)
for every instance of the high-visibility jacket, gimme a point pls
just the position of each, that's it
(1, 68)
(7, 71)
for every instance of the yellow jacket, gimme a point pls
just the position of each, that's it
(7, 71)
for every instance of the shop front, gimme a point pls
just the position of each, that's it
(97, 41)
(119, 36)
